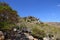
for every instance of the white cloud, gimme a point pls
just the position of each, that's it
(58, 5)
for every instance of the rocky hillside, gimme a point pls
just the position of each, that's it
(10, 19)
(39, 28)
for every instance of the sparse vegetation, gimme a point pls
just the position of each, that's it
(9, 18)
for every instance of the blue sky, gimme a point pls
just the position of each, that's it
(45, 10)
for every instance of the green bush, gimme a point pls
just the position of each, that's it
(37, 32)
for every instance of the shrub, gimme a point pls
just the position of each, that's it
(37, 32)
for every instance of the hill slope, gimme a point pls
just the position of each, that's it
(56, 24)
(34, 23)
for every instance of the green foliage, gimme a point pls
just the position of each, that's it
(37, 32)
(6, 25)
(8, 16)
(22, 25)
(8, 13)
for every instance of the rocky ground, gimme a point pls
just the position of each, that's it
(21, 35)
